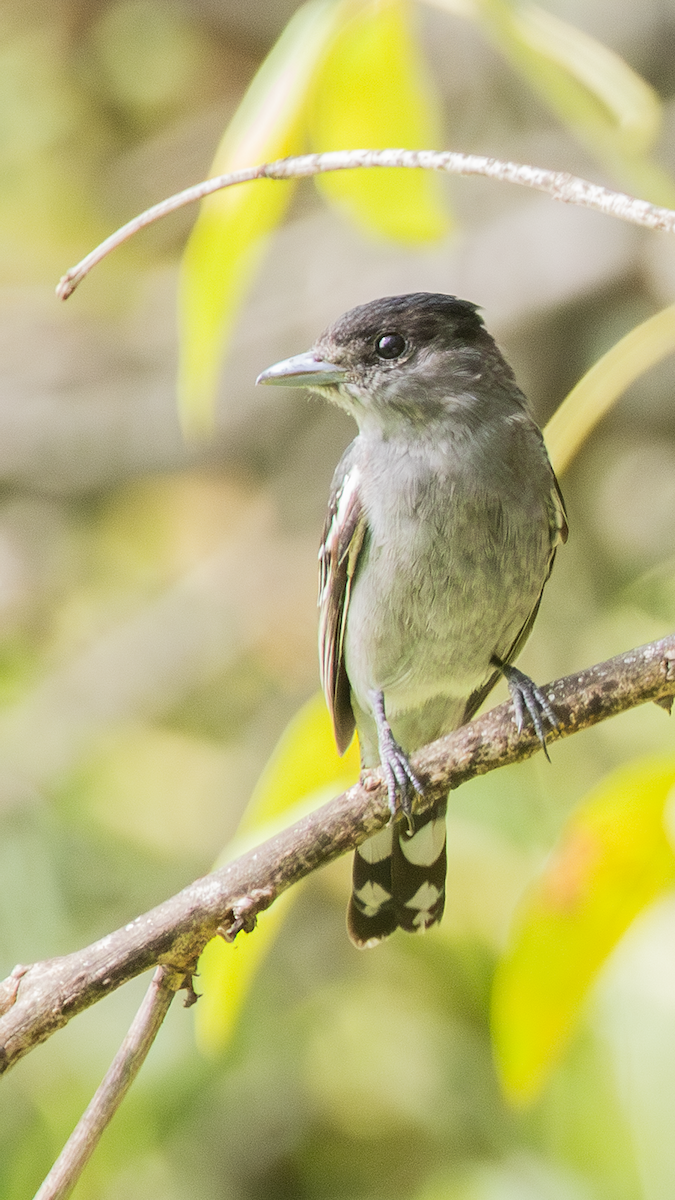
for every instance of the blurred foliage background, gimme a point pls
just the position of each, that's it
(157, 615)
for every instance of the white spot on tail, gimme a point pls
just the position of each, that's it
(424, 847)
(425, 897)
(371, 897)
(377, 847)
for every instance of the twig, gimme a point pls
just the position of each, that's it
(124, 1068)
(39, 999)
(569, 188)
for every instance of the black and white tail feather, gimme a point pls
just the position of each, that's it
(398, 879)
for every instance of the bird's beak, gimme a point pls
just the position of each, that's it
(303, 370)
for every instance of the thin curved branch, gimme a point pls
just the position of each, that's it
(571, 189)
(124, 1068)
(39, 999)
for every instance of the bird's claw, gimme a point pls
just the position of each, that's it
(402, 782)
(526, 696)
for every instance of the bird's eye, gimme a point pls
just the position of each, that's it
(390, 345)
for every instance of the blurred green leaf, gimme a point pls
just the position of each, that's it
(383, 1075)
(374, 91)
(590, 88)
(228, 239)
(303, 772)
(163, 766)
(609, 106)
(630, 109)
(49, 139)
(148, 57)
(600, 388)
(613, 859)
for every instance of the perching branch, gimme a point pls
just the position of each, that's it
(569, 188)
(37, 1000)
(124, 1068)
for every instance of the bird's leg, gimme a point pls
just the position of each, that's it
(397, 770)
(526, 695)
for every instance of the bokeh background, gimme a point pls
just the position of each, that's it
(158, 626)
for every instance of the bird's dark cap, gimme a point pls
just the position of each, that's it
(422, 316)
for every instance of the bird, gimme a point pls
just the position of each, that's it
(442, 527)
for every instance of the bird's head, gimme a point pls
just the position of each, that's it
(403, 359)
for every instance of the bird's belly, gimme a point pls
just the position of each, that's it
(413, 647)
(428, 614)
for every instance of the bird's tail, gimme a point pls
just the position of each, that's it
(399, 879)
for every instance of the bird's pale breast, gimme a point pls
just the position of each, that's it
(449, 574)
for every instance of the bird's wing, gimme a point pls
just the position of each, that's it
(341, 545)
(557, 518)
(559, 533)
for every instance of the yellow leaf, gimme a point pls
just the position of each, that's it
(225, 975)
(600, 388)
(228, 238)
(303, 772)
(304, 761)
(374, 92)
(613, 859)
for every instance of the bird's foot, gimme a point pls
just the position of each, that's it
(402, 782)
(527, 696)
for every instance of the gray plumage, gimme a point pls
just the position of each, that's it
(442, 527)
